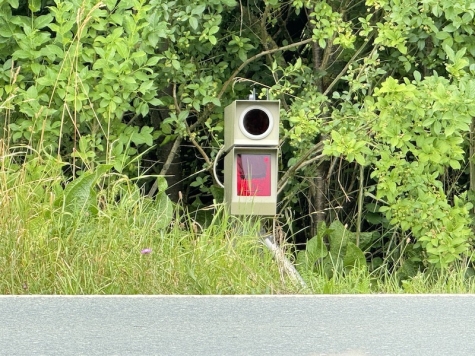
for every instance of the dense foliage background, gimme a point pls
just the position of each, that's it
(377, 102)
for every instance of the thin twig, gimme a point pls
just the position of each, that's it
(310, 161)
(317, 148)
(347, 65)
(253, 58)
(360, 207)
(175, 101)
(199, 148)
(166, 165)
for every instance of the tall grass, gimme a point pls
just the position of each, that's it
(132, 245)
(137, 245)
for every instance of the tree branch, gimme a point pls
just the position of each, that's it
(259, 55)
(317, 148)
(200, 149)
(166, 165)
(347, 65)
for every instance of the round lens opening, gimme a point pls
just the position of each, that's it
(256, 122)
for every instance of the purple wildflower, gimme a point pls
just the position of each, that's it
(146, 251)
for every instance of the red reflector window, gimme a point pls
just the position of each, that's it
(253, 175)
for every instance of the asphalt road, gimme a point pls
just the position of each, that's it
(238, 325)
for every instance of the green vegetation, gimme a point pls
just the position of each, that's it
(60, 241)
(111, 118)
(82, 239)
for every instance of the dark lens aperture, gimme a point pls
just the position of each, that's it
(256, 122)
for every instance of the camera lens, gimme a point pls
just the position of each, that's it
(256, 122)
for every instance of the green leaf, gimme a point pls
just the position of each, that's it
(7, 30)
(163, 206)
(176, 64)
(316, 248)
(143, 137)
(78, 194)
(146, 86)
(166, 129)
(138, 54)
(322, 43)
(13, 3)
(213, 29)
(302, 262)
(338, 238)
(122, 49)
(183, 115)
(32, 93)
(213, 40)
(298, 63)
(162, 184)
(455, 164)
(34, 5)
(417, 76)
(198, 10)
(36, 68)
(367, 238)
(119, 164)
(42, 21)
(193, 22)
(354, 257)
(242, 55)
(155, 102)
(152, 61)
(359, 158)
(52, 51)
(402, 48)
(45, 81)
(449, 28)
(230, 3)
(209, 99)
(22, 54)
(442, 35)
(110, 4)
(450, 53)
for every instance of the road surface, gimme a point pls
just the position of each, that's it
(341, 325)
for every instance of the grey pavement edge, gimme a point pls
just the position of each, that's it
(344, 325)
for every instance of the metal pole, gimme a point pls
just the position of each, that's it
(279, 255)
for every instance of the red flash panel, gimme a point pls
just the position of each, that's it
(253, 175)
